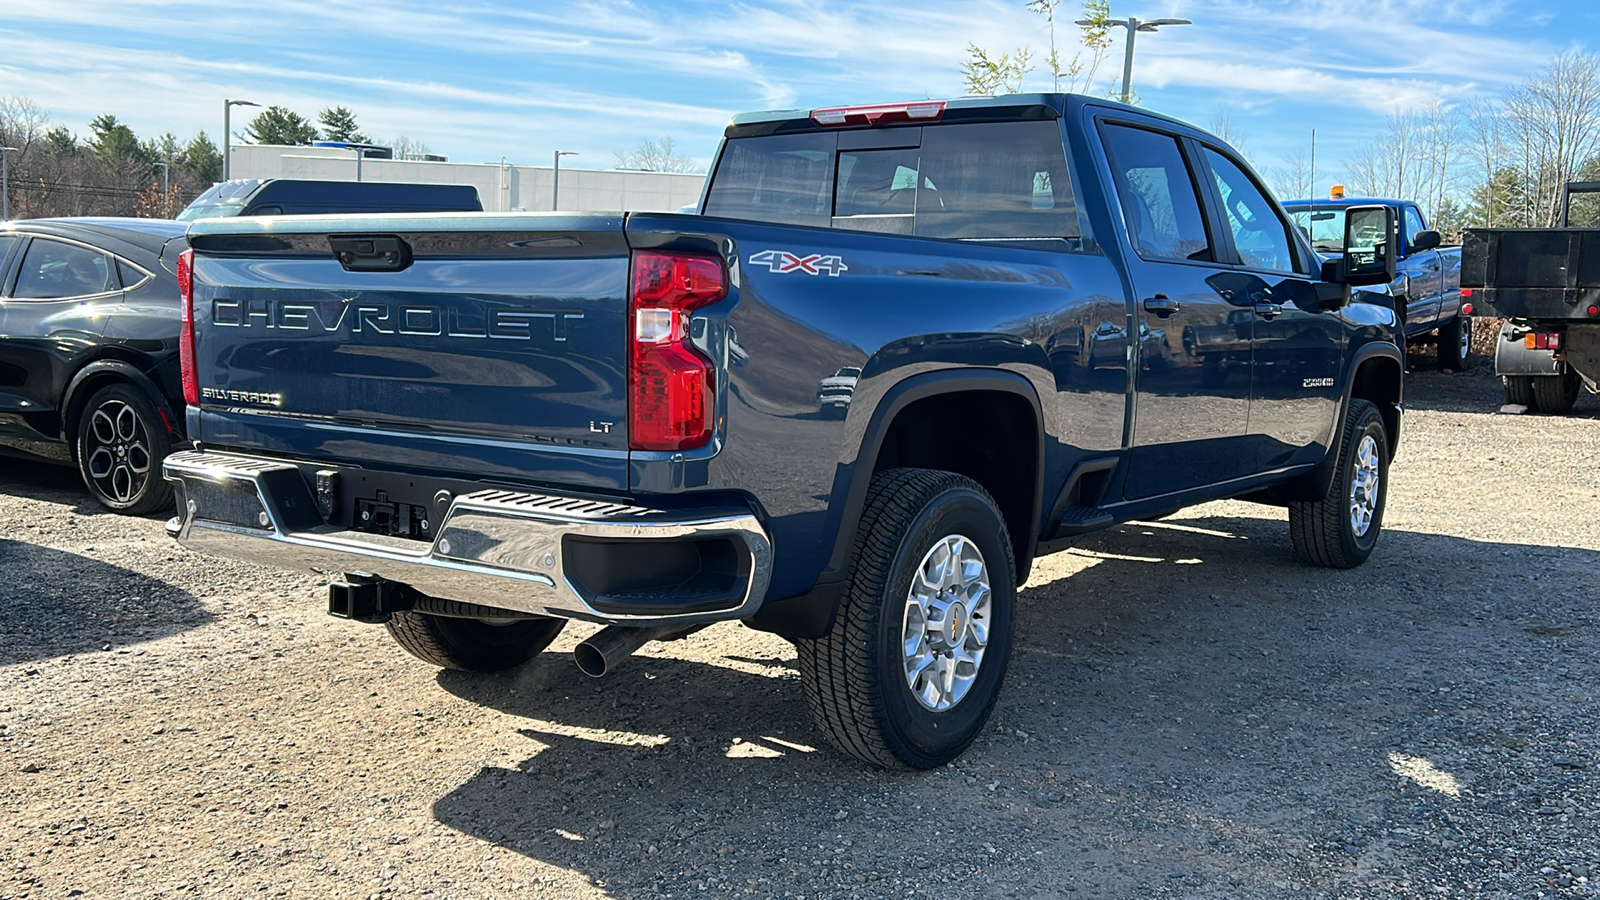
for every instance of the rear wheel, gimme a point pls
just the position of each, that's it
(472, 645)
(911, 670)
(1340, 530)
(1455, 344)
(121, 442)
(1557, 394)
(1519, 389)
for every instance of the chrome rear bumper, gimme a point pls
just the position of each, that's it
(499, 548)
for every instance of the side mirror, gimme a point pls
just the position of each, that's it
(1370, 246)
(1425, 240)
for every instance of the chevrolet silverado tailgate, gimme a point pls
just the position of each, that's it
(470, 342)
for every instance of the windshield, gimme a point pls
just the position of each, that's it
(1324, 225)
(224, 199)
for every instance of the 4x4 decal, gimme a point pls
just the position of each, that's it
(783, 262)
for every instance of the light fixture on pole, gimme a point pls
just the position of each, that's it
(227, 108)
(5, 182)
(1134, 26)
(555, 182)
(166, 195)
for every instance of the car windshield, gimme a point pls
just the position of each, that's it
(1324, 225)
(224, 199)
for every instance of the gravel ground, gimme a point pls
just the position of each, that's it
(1190, 713)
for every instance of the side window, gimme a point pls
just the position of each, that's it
(782, 179)
(52, 269)
(1159, 198)
(1259, 234)
(1006, 180)
(131, 276)
(7, 241)
(1413, 220)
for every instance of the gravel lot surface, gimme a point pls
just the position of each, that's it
(1190, 713)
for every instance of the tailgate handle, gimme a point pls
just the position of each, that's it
(371, 252)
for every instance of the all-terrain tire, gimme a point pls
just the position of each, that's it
(472, 645)
(1455, 344)
(1326, 532)
(121, 443)
(859, 679)
(1519, 390)
(1557, 394)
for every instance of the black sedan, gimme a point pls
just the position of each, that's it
(89, 373)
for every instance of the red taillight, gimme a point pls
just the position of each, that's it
(669, 382)
(879, 114)
(1594, 311)
(1466, 309)
(1466, 292)
(186, 361)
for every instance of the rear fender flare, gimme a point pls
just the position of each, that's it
(811, 615)
(103, 371)
(1315, 485)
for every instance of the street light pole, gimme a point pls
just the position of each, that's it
(5, 182)
(166, 195)
(1134, 26)
(555, 183)
(227, 108)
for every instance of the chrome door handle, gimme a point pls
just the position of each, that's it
(1268, 310)
(1161, 307)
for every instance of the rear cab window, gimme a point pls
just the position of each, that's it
(985, 181)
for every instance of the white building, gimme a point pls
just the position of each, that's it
(501, 188)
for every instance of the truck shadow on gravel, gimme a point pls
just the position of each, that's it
(56, 603)
(1189, 712)
(1477, 390)
(51, 483)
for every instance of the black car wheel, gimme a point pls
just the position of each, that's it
(121, 443)
(909, 673)
(1557, 394)
(1340, 530)
(1455, 344)
(1519, 390)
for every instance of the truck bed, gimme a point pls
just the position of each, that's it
(1532, 273)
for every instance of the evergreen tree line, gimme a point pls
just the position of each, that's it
(109, 172)
(113, 172)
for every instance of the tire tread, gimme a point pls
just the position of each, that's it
(842, 692)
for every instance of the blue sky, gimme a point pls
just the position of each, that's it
(481, 80)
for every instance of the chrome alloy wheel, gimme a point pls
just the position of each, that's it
(1364, 486)
(118, 451)
(1465, 344)
(946, 625)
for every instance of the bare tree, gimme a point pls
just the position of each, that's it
(1223, 126)
(1293, 179)
(987, 73)
(657, 156)
(1488, 147)
(406, 148)
(1554, 118)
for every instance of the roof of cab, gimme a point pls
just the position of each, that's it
(1030, 105)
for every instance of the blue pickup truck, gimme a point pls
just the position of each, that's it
(1053, 313)
(1427, 284)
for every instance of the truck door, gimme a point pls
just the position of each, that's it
(1191, 342)
(1424, 275)
(1299, 349)
(53, 306)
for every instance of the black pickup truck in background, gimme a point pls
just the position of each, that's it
(1546, 283)
(901, 351)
